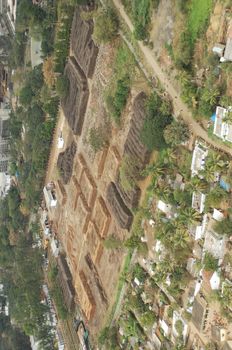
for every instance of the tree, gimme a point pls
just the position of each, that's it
(97, 138)
(105, 26)
(210, 263)
(210, 95)
(62, 86)
(215, 197)
(152, 134)
(189, 216)
(176, 133)
(224, 227)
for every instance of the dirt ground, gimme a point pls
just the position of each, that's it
(82, 218)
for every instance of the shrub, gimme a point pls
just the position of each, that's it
(97, 138)
(105, 26)
(128, 172)
(210, 263)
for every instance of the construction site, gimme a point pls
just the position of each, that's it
(85, 201)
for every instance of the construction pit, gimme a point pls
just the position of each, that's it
(91, 205)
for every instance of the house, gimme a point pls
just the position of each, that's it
(198, 160)
(211, 279)
(200, 312)
(222, 129)
(218, 215)
(198, 201)
(165, 327)
(215, 244)
(198, 231)
(218, 333)
(49, 195)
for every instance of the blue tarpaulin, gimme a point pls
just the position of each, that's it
(213, 117)
(224, 185)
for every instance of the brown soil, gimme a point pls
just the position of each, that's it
(65, 162)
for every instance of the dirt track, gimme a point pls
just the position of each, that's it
(180, 108)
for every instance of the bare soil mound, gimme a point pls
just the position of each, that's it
(65, 162)
(82, 44)
(75, 103)
(133, 145)
(122, 214)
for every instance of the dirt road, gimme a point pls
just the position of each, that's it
(180, 108)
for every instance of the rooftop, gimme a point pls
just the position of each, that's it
(199, 312)
(222, 129)
(198, 160)
(215, 244)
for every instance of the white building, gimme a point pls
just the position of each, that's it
(198, 160)
(222, 129)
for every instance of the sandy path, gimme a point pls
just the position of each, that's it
(180, 108)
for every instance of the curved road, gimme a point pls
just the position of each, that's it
(179, 107)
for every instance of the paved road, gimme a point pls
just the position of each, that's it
(180, 108)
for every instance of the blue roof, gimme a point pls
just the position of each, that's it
(224, 185)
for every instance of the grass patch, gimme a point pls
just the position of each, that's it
(199, 13)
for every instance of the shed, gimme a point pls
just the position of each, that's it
(228, 50)
(218, 215)
(218, 333)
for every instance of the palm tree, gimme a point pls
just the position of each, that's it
(155, 169)
(189, 216)
(197, 185)
(211, 96)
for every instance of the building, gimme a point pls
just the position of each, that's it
(222, 129)
(198, 160)
(215, 244)
(50, 196)
(198, 201)
(218, 333)
(167, 209)
(5, 179)
(200, 312)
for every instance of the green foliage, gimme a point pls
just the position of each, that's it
(59, 302)
(62, 86)
(117, 102)
(157, 118)
(97, 138)
(210, 263)
(215, 197)
(224, 227)
(179, 327)
(105, 26)
(199, 14)
(176, 133)
(112, 243)
(148, 318)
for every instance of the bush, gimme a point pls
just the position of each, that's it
(105, 26)
(97, 138)
(117, 102)
(210, 263)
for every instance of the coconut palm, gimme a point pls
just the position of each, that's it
(189, 216)
(197, 184)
